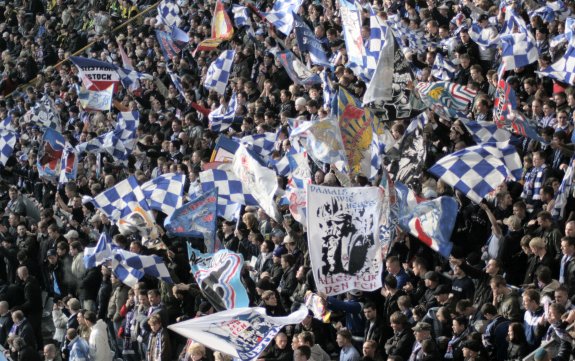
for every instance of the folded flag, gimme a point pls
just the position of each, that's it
(261, 144)
(477, 170)
(96, 99)
(50, 153)
(168, 13)
(518, 50)
(219, 72)
(96, 256)
(486, 132)
(351, 12)
(219, 277)
(281, 15)
(196, 218)
(242, 333)
(221, 118)
(563, 70)
(432, 222)
(222, 27)
(44, 114)
(68, 164)
(446, 99)
(165, 193)
(443, 69)
(152, 266)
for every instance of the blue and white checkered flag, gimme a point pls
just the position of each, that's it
(261, 144)
(221, 118)
(563, 69)
(443, 69)
(126, 128)
(168, 13)
(478, 170)
(242, 18)
(122, 200)
(219, 72)
(164, 193)
(126, 274)
(481, 36)
(229, 186)
(131, 78)
(44, 114)
(7, 142)
(486, 132)
(518, 50)
(96, 256)
(377, 35)
(281, 15)
(153, 265)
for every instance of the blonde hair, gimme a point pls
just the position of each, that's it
(197, 348)
(537, 242)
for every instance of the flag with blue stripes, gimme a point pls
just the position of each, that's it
(518, 50)
(229, 186)
(481, 36)
(281, 15)
(485, 132)
(44, 114)
(219, 72)
(350, 11)
(130, 78)
(298, 72)
(327, 88)
(7, 143)
(165, 193)
(50, 153)
(242, 19)
(558, 211)
(177, 81)
(307, 42)
(221, 118)
(170, 49)
(127, 275)
(68, 164)
(443, 69)
(219, 271)
(476, 171)
(168, 13)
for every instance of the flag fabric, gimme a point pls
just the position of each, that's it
(242, 333)
(221, 118)
(443, 69)
(343, 239)
(486, 132)
(413, 154)
(566, 36)
(219, 72)
(52, 147)
(131, 78)
(102, 252)
(281, 15)
(68, 164)
(519, 124)
(377, 41)
(242, 19)
(477, 170)
(222, 28)
(327, 88)
(390, 210)
(177, 81)
(196, 218)
(99, 73)
(228, 185)
(261, 144)
(350, 12)
(96, 99)
(153, 265)
(257, 180)
(125, 204)
(307, 42)
(127, 275)
(446, 99)
(298, 72)
(381, 74)
(168, 13)
(219, 277)
(563, 69)
(416, 40)
(482, 36)
(165, 193)
(281, 166)
(300, 172)
(169, 47)
(7, 142)
(505, 100)
(565, 189)
(356, 126)
(518, 50)
(297, 203)
(224, 150)
(44, 114)
(432, 222)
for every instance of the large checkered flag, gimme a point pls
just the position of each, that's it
(96, 256)
(125, 204)
(229, 186)
(152, 266)
(168, 13)
(7, 142)
(219, 72)
(443, 69)
(164, 193)
(486, 132)
(518, 50)
(281, 15)
(222, 117)
(261, 144)
(563, 193)
(477, 170)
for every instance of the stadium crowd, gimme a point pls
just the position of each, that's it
(468, 307)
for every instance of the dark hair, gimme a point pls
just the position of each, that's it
(305, 350)
(90, 316)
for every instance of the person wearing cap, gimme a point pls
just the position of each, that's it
(277, 271)
(422, 332)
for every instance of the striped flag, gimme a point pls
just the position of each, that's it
(446, 99)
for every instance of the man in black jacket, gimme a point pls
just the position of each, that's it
(32, 306)
(402, 341)
(279, 351)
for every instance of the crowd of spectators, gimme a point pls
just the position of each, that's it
(468, 307)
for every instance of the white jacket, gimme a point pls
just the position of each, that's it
(99, 345)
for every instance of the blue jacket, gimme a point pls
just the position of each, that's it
(79, 350)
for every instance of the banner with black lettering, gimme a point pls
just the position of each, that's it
(343, 237)
(99, 74)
